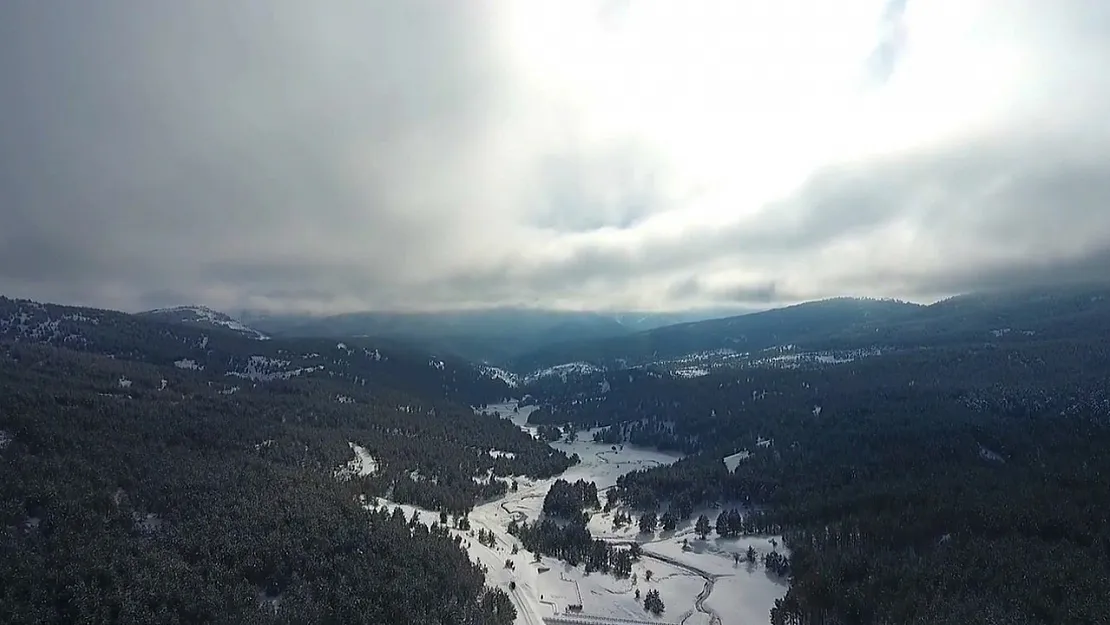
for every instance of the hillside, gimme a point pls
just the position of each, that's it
(950, 484)
(169, 472)
(840, 328)
(202, 317)
(491, 335)
(813, 321)
(240, 358)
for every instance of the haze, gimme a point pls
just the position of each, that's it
(328, 157)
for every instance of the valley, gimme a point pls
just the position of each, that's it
(954, 462)
(702, 583)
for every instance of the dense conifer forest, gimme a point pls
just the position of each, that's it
(164, 473)
(134, 493)
(943, 485)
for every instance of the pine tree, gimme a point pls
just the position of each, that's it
(702, 526)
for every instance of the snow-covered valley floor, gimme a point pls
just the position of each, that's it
(699, 584)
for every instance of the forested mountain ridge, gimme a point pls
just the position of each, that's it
(202, 317)
(484, 335)
(374, 362)
(138, 493)
(744, 333)
(848, 324)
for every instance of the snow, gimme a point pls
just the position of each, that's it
(78, 317)
(497, 453)
(737, 593)
(435, 363)
(498, 373)
(124, 383)
(343, 399)
(162, 387)
(187, 363)
(989, 454)
(733, 461)
(563, 370)
(691, 372)
(207, 315)
(363, 464)
(259, 369)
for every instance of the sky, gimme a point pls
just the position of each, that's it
(290, 156)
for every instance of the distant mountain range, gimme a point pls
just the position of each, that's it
(506, 347)
(231, 355)
(494, 335)
(836, 328)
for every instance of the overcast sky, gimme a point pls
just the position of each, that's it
(348, 155)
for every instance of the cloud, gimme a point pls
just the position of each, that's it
(383, 155)
(891, 41)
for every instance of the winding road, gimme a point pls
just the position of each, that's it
(710, 579)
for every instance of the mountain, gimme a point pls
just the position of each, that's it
(176, 473)
(1026, 314)
(202, 317)
(490, 335)
(239, 358)
(728, 336)
(842, 328)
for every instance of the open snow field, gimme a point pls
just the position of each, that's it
(699, 584)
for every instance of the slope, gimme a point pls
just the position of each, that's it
(745, 333)
(202, 317)
(366, 362)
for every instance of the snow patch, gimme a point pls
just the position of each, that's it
(78, 317)
(498, 373)
(563, 370)
(363, 464)
(124, 383)
(988, 454)
(691, 372)
(188, 363)
(207, 315)
(261, 369)
(733, 461)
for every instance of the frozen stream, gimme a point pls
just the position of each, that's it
(699, 585)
